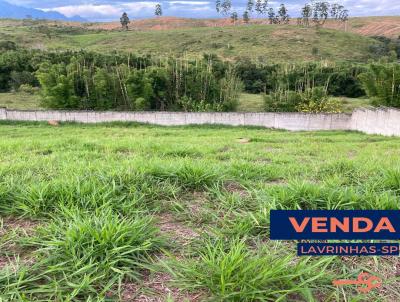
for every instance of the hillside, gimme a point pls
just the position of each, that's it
(366, 26)
(258, 41)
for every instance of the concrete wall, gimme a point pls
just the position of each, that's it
(384, 121)
(381, 121)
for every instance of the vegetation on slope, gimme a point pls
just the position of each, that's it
(267, 43)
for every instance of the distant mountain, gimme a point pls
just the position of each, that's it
(8, 10)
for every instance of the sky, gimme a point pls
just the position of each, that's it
(105, 10)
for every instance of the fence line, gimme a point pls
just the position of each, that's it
(384, 121)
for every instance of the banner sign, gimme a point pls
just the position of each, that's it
(335, 224)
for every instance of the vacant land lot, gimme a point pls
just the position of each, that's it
(139, 213)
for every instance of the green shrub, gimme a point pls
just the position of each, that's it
(312, 100)
(141, 104)
(231, 271)
(382, 84)
(282, 101)
(26, 88)
(85, 255)
(316, 100)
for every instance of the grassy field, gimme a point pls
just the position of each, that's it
(247, 102)
(255, 103)
(20, 100)
(123, 212)
(350, 104)
(260, 42)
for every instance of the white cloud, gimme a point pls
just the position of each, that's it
(105, 12)
(87, 10)
(139, 6)
(191, 3)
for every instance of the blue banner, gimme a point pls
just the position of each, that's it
(334, 224)
(348, 249)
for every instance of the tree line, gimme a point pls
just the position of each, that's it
(316, 12)
(90, 80)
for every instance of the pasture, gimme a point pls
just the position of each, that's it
(261, 42)
(127, 212)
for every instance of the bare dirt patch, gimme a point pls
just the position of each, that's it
(351, 154)
(224, 149)
(177, 231)
(17, 224)
(388, 268)
(277, 182)
(10, 251)
(157, 288)
(236, 188)
(243, 140)
(53, 123)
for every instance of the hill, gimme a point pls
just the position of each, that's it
(8, 10)
(366, 26)
(257, 41)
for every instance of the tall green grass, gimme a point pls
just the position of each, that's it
(231, 271)
(111, 200)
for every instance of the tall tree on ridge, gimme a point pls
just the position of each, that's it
(283, 14)
(271, 16)
(246, 17)
(158, 10)
(125, 21)
(320, 13)
(218, 6)
(226, 7)
(250, 6)
(306, 14)
(261, 6)
(234, 17)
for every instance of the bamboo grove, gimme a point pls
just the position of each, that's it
(122, 81)
(169, 84)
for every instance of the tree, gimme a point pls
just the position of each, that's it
(306, 13)
(218, 6)
(272, 17)
(125, 21)
(250, 6)
(283, 14)
(336, 10)
(264, 7)
(320, 13)
(382, 84)
(344, 15)
(261, 7)
(234, 17)
(158, 10)
(246, 17)
(226, 7)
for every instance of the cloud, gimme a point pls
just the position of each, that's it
(191, 3)
(87, 10)
(106, 12)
